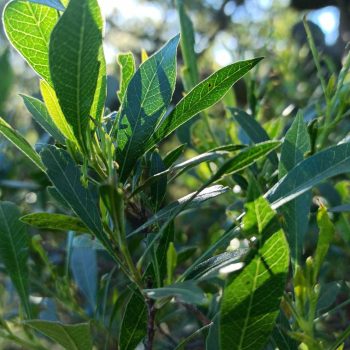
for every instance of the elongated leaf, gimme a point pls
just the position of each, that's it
(14, 245)
(295, 145)
(245, 158)
(83, 263)
(311, 171)
(42, 117)
(252, 128)
(74, 57)
(98, 104)
(126, 63)
(28, 27)
(211, 267)
(325, 238)
(134, 323)
(171, 157)
(21, 143)
(187, 292)
(7, 78)
(250, 302)
(190, 69)
(65, 176)
(147, 97)
(157, 188)
(55, 111)
(55, 222)
(201, 97)
(165, 213)
(56, 4)
(71, 337)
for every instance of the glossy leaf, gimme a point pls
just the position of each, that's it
(252, 128)
(187, 292)
(126, 63)
(311, 171)
(296, 143)
(56, 4)
(28, 27)
(146, 100)
(251, 300)
(42, 117)
(201, 97)
(14, 244)
(53, 221)
(74, 57)
(71, 337)
(21, 143)
(165, 213)
(55, 111)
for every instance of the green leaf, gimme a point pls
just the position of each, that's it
(308, 173)
(7, 78)
(201, 97)
(97, 108)
(126, 63)
(190, 69)
(252, 128)
(71, 337)
(56, 4)
(146, 100)
(65, 176)
(296, 143)
(55, 222)
(251, 300)
(42, 117)
(187, 292)
(171, 157)
(325, 238)
(134, 323)
(75, 61)
(158, 188)
(55, 111)
(171, 262)
(212, 266)
(21, 143)
(14, 245)
(28, 27)
(165, 213)
(245, 159)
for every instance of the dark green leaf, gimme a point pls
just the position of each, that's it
(146, 100)
(296, 143)
(311, 171)
(21, 143)
(166, 212)
(42, 117)
(250, 302)
(134, 323)
(71, 337)
(187, 292)
(14, 250)
(54, 222)
(65, 176)
(158, 187)
(201, 97)
(75, 60)
(28, 27)
(7, 78)
(126, 63)
(171, 157)
(252, 128)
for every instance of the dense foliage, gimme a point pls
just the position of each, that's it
(247, 257)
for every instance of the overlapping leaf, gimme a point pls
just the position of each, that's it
(28, 27)
(201, 97)
(146, 100)
(75, 61)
